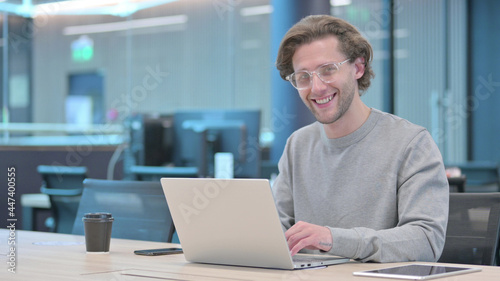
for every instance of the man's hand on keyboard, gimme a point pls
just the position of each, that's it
(305, 235)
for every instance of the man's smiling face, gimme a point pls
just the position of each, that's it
(327, 101)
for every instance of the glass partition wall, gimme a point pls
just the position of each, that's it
(187, 54)
(196, 54)
(420, 64)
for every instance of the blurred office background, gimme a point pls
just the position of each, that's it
(99, 84)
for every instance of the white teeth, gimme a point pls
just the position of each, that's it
(325, 100)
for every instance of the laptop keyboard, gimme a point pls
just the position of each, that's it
(309, 259)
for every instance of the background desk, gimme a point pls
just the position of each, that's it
(50, 256)
(26, 158)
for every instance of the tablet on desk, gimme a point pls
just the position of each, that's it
(417, 271)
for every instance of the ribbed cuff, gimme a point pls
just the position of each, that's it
(345, 243)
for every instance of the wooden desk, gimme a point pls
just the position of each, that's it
(51, 256)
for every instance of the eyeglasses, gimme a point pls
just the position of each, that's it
(302, 80)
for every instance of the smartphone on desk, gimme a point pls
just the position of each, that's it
(159, 252)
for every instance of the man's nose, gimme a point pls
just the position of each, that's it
(317, 83)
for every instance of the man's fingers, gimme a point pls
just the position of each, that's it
(294, 239)
(305, 235)
(301, 244)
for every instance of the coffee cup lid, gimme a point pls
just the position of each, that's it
(98, 216)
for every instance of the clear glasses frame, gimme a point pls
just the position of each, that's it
(302, 80)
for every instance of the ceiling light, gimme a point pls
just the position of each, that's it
(256, 10)
(81, 7)
(124, 25)
(337, 3)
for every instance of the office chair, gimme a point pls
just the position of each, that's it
(473, 230)
(155, 173)
(63, 185)
(139, 209)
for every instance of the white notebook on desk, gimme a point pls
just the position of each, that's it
(232, 222)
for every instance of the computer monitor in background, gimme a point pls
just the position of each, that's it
(199, 134)
(151, 140)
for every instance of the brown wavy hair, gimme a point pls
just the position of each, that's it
(316, 27)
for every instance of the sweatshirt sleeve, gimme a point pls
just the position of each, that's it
(423, 198)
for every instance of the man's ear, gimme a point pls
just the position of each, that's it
(359, 63)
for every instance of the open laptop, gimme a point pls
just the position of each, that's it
(232, 222)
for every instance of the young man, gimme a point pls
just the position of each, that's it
(357, 183)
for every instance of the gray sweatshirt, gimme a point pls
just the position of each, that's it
(382, 190)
